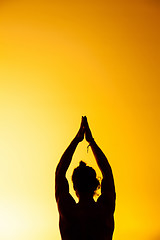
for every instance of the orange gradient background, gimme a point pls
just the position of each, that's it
(60, 60)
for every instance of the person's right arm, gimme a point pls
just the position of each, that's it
(107, 187)
(104, 166)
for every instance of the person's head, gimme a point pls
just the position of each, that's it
(84, 180)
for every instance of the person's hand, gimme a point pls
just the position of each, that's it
(88, 134)
(80, 134)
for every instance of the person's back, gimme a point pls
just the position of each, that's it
(87, 219)
(90, 222)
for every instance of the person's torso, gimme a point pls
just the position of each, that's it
(92, 222)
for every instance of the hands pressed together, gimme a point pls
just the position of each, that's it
(84, 130)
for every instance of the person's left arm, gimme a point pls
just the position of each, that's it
(61, 183)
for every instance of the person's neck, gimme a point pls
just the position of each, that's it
(86, 199)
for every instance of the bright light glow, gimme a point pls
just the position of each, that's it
(62, 60)
(12, 223)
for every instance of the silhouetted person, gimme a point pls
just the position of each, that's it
(87, 219)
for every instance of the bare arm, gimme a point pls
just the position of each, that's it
(65, 161)
(104, 167)
(102, 162)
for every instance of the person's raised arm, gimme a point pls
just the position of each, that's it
(63, 198)
(67, 155)
(102, 162)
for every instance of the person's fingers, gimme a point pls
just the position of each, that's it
(81, 122)
(85, 121)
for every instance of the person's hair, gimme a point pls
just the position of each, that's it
(84, 179)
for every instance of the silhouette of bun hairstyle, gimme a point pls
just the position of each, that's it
(84, 179)
(82, 164)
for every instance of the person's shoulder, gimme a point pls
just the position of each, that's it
(106, 202)
(63, 197)
(66, 204)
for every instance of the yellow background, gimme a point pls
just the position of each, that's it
(60, 60)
